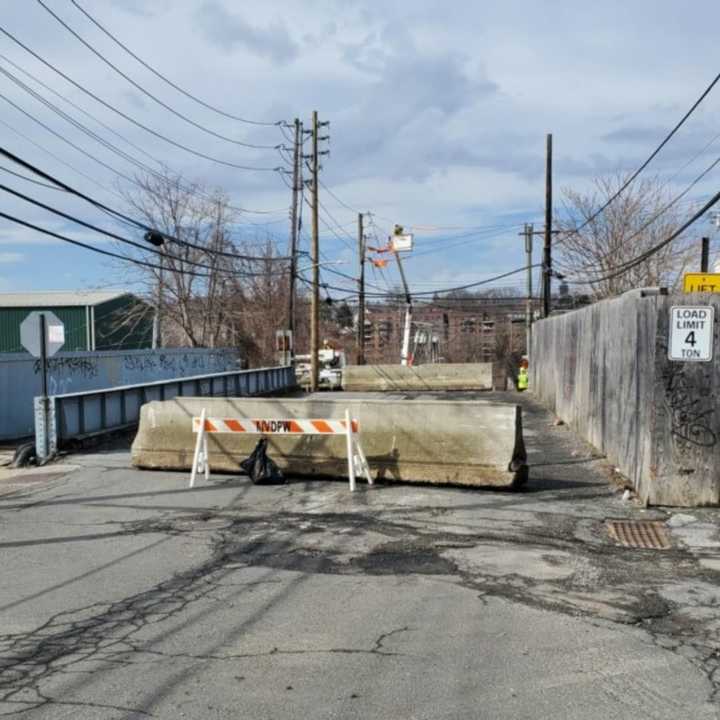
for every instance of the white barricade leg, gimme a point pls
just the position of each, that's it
(363, 461)
(200, 446)
(206, 457)
(351, 462)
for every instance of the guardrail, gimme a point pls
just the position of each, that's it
(74, 416)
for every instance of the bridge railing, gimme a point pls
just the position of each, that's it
(75, 416)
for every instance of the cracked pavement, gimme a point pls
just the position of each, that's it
(125, 595)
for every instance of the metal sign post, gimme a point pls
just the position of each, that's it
(43, 373)
(42, 334)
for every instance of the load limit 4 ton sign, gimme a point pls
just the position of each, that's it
(691, 333)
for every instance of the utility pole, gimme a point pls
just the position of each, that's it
(296, 187)
(705, 255)
(528, 303)
(361, 293)
(547, 251)
(315, 259)
(315, 253)
(405, 352)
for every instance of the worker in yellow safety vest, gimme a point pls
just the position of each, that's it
(522, 379)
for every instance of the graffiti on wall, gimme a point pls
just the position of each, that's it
(691, 409)
(83, 367)
(180, 364)
(85, 372)
(76, 372)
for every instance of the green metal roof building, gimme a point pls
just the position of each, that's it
(93, 319)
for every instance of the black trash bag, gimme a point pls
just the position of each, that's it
(262, 469)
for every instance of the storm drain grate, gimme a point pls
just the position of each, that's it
(640, 533)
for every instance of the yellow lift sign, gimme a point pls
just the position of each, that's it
(701, 282)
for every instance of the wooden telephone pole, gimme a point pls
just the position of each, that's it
(547, 250)
(315, 252)
(296, 187)
(361, 293)
(315, 259)
(528, 303)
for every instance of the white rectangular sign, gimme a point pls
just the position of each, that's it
(691, 333)
(56, 334)
(401, 243)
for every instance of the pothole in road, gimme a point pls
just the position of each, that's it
(404, 559)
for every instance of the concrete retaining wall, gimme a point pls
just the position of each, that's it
(604, 370)
(433, 441)
(20, 379)
(440, 376)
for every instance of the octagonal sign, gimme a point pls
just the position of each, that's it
(30, 333)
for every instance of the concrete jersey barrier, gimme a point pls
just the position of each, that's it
(468, 442)
(439, 376)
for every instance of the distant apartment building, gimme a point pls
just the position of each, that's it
(472, 330)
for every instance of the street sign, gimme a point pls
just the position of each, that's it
(30, 336)
(691, 333)
(701, 282)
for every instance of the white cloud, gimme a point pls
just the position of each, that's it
(7, 258)
(438, 110)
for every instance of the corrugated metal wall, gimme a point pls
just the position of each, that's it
(125, 323)
(72, 317)
(20, 378)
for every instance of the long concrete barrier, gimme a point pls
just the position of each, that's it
(439, 376)
(469, 442)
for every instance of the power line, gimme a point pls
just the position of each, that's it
(630, 264)
(102, 141)
(127, 241)
(333, 195)
(60, 160)
(107, 127)
(100, 251)
(123, 216)
(130, 119)
(452, 289)
(652, 156)
(168, 81)
(655, 217)
(30, 180)
(146, 92)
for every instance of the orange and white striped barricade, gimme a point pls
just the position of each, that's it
(203, 425)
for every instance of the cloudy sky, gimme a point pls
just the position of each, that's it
(438, 113)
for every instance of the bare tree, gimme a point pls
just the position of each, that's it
(640, 218)
(206, 295)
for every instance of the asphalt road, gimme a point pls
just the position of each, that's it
(126, 595)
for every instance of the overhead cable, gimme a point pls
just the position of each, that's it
(106, 144)
(167, 80)
(85, 246)
(132, 120)
(146, 92)
(630, 264)
(652, 156)
(123, 216)
(127, 241)
(674, 201)
(451, 289)
(111, 130)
